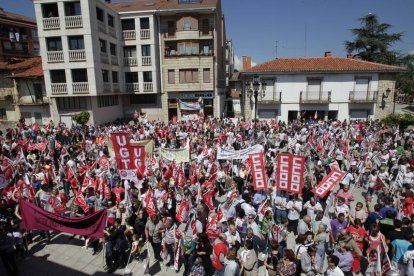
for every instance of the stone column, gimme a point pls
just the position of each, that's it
(385, 81)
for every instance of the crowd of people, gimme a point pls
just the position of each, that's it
(364, 225)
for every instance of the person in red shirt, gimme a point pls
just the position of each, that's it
(220, 249)
(408, 204)
(119, 192)
(58, 202)
(359, 234)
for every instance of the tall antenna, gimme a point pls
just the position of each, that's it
(306, 40)
(276, 49)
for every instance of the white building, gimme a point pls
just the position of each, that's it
(105, 57)
(326, 87)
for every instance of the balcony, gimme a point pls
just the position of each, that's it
(101, 27)
(80, 88)
(106, 87)
(145, 34)
(132, 87)
(114, 60)
(112, 31)
(115, 87)
(148, 87)
(129, 35)
(104, 58)
(315, 97)
(180, 55)
(363, 96)
(77, 55)
(271, 98)
(51, 23)
(130, 61)
(73, 21)
(59, 88)
(54, 56)
(146, 61)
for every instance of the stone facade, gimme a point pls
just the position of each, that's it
(385, 81)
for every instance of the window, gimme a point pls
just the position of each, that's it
(314, 85)
(171, 76)
(205, 26)
(146, 50)
(72, 8)
(361, 84)
(102, 45)
(37, 87)
(114, 76)
(57, 76)
(130, 51)
(35, 34)
(100, 14)
(206, 75)
(105, 76)
(54, 44)
(27, 116)
(104, 101)
(7, 46)
(71, 103)
(144, 23)
(76, 43)
(112, 49)
(147, 76)
(3, 115)
(189, 76)
(38, 117)
(143, 99)
(170, 51)
(79, 75)
(131, 77)
(111, 21)
(50, 10)
(188, 48)
(171, 28)
(187, 26)
(128, 24)
(206, 50)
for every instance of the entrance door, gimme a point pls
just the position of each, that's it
(292, 115)
(332, 115)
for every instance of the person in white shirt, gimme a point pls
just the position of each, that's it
(311, 207)
(333, 269)
(341, 207)
(253, 225)
(294, 207)
(280, 204)
(232, 237)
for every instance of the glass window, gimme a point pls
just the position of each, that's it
(187, 26)
(112, 48)
(110, 100)
(72, 8)
(79, 75)
(105, 76)
(171, 76)
(102, 44)
(131, 77)
(146, 50)
(57, 76)
(76, 43)
(128, 24)
(147, 76)
(144, 23)
(100, 14)
(54, 44)
(110, 20)
(71, 103)
(50, 10)
(114, 77)
(189, 76)
(130, 51)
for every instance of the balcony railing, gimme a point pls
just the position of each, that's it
(101, 27)
(363, 96)
(275, 97)
(132, 87)
(146, 61)
(73, 21)
(114, 60)
(54, 56)
(148, 87)
(59, 88)
(106, 87)
(177, 55)
(129, 35)
(145, 34)
(80, 87)
(130, 61)
(77, 55)
(51, 23)
(112, 31)
(315, 96)
(104, 58)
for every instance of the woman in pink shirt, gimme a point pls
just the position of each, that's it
(346, 194)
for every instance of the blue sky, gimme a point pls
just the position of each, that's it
(256, 25)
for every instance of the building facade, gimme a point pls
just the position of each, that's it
(18, 37)
(323, 88)
(112, 59)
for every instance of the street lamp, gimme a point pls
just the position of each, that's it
(385, 96)
(257, 84)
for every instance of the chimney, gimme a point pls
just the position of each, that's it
(328, 54)
(247, 63)
(349, 56)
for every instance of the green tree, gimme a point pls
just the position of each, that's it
(405, 80)
(372, 41)
(81, 118)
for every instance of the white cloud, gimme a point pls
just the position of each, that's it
(238, 63)
(411, 52)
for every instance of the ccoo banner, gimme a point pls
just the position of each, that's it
(290, 171)
(328, 183)
(258, 171)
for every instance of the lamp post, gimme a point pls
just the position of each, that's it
(385, 96)
(255, 93)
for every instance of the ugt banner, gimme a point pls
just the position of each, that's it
(127, 156)
(290, 171)
(258, 171)
(36, 218)
(328, 183)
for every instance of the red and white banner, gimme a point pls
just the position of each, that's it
(328, 183)
(183, 210)
(120, 142)
(104, 163)
(208, 199)
(150, 203)
(258, 171)
(137, 156)
(38, 146)
(290, 171)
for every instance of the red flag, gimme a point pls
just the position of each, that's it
(104, 163)
(86, 181)
(319, 147)
(38, 146)
(80, 200)
(150, 203)
(208, 199)
(328, 183)
(258, 171)
(212, 227)
(379, 184)
(183, 210)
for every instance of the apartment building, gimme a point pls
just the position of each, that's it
(18, 37)
(327, 87)
(114, 58)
